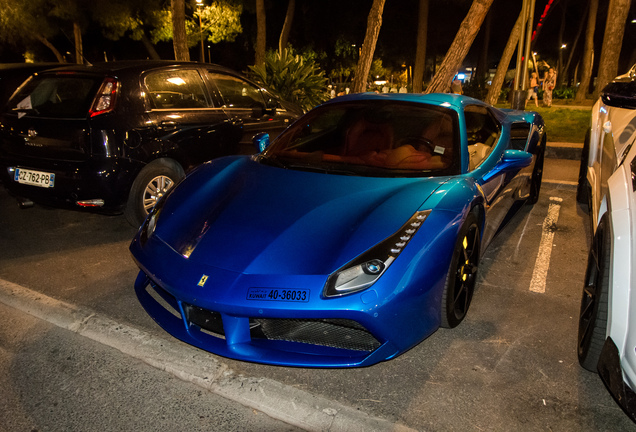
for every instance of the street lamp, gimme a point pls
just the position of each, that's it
(200, 8)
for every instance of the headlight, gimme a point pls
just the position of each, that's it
(363, 271)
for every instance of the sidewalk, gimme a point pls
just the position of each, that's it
(561, 150)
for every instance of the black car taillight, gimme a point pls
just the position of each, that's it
(105, 99)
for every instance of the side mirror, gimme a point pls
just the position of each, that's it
(512, 160)
(261, 141)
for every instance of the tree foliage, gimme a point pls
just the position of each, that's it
(221, 21)
(292, 77)
(133, 18)
(23, 23)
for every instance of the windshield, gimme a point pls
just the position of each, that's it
(371, 138)
(58, 96)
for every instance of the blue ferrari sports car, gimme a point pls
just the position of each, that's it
(351, 238)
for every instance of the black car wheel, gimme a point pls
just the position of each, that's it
(154, 180)
(582, 193)
(537, 177)
(462, 274)
(594, 303)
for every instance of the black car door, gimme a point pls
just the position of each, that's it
(250, 107)
(185, 123)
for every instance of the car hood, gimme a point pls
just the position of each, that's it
(240, 215)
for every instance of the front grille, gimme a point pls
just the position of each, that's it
(206, 319)
(335, 333)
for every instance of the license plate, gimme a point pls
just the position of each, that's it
(34, 178)
(276, 294)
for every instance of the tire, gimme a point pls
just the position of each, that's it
(462, 274)
(152, 182)
(582, 189)
(537, 177)
(594, 302)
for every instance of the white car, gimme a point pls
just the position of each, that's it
(607, 182)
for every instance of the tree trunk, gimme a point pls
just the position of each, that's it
(420, 50)
(588, 50)
(79, 50)
(179, 40)
(374, 23)
(560, 69)
(482, 63)
(612, 42)
(261, 27)
(284, 34)
(460, 46)
(504, 62)
(49, 45)
(566, 70)
(152, 52)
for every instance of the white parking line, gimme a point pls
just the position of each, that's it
(542, 264)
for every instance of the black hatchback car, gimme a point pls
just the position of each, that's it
(117, 136)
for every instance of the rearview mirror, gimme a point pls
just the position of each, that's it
(261, 141)
(512, 160)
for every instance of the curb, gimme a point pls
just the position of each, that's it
(561, 150)
(288, 404)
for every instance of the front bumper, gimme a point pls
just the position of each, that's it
(360, 329)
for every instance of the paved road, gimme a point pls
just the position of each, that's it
(55, 380)
(510, 366)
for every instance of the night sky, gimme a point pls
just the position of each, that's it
(319, 23)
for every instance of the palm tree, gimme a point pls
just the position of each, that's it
(374, 22)
(612, 42)
(460, 46)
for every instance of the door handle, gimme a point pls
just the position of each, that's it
(168, 123)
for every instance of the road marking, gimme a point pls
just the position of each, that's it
(541, 266)
(563, 182)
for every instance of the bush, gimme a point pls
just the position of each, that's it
(292, 78)
(564, 93)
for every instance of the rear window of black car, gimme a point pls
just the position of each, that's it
(56, 96)
(176, 89)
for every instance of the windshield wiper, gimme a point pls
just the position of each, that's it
(26, 110)
(326, 170)
(269, 160)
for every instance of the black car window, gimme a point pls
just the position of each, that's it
(237, 93)
(482, 132)
(176, 89)
(57, 96)
(371, 138)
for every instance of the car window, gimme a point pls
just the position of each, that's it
(633, 168)
(176, 89)
(237, 93)
(482, 131)
(57, 96)
(371, 139)
(608, 162)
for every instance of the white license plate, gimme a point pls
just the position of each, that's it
(34, 178)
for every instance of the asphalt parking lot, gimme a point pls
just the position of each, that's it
(511, 365)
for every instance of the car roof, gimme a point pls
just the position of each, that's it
(134, 66)
(445, 99)
(621, 92)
